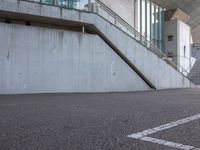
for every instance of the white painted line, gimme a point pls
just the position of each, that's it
(163, 127)
(143, 135)
(168, 143)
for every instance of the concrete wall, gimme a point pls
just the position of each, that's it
(181, 40)
(42, 60)
(124, 8)
(184, 42)
(194, 74)
(161, 74)
(171, 46)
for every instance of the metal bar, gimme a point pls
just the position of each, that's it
(152, 48)
(150, 22)
(123, 22)
(145, 18)
(146, 80)
(141, 16)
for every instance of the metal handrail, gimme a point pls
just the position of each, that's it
(141, 38)
(134, 33)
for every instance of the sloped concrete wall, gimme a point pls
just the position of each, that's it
(161, 74)
(44, 60)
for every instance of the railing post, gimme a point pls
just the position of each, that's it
(83, 29)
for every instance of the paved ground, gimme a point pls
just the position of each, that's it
(97, 121)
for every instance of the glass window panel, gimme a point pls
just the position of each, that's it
(83, 4)
(148, 21)
(62, 2)
(158, 28)
(143, 18)
(162, 29)
(138, 18)
(104, 14)
(155, 25)
(35, 0)
(48, 1)
(70, 3)
(152, 23)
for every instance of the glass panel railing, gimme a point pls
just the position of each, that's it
(101, 9)
(107, 13)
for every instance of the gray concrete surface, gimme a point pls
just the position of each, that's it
(179, 49)
(127, 9)
(187, 131)
(194, 74)
(46, 60)
(96, 121)
(154, 68)
(188, 6)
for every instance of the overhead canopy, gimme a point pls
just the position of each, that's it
(190, 7)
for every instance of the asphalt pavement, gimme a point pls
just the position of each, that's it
(98, 121)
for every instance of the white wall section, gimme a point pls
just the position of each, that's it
(43, 60)
(117, 77)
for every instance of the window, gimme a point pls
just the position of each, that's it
(170, 37)
(143, 18)
(48, 1)
(150, 22)
(138, 19)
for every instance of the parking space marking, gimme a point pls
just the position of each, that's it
(168, 143)
(143, 135)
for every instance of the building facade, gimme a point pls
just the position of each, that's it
(58, 46)
(145, 16)
(150, 22)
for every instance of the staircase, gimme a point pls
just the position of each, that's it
(150, 63)
(101, 9)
